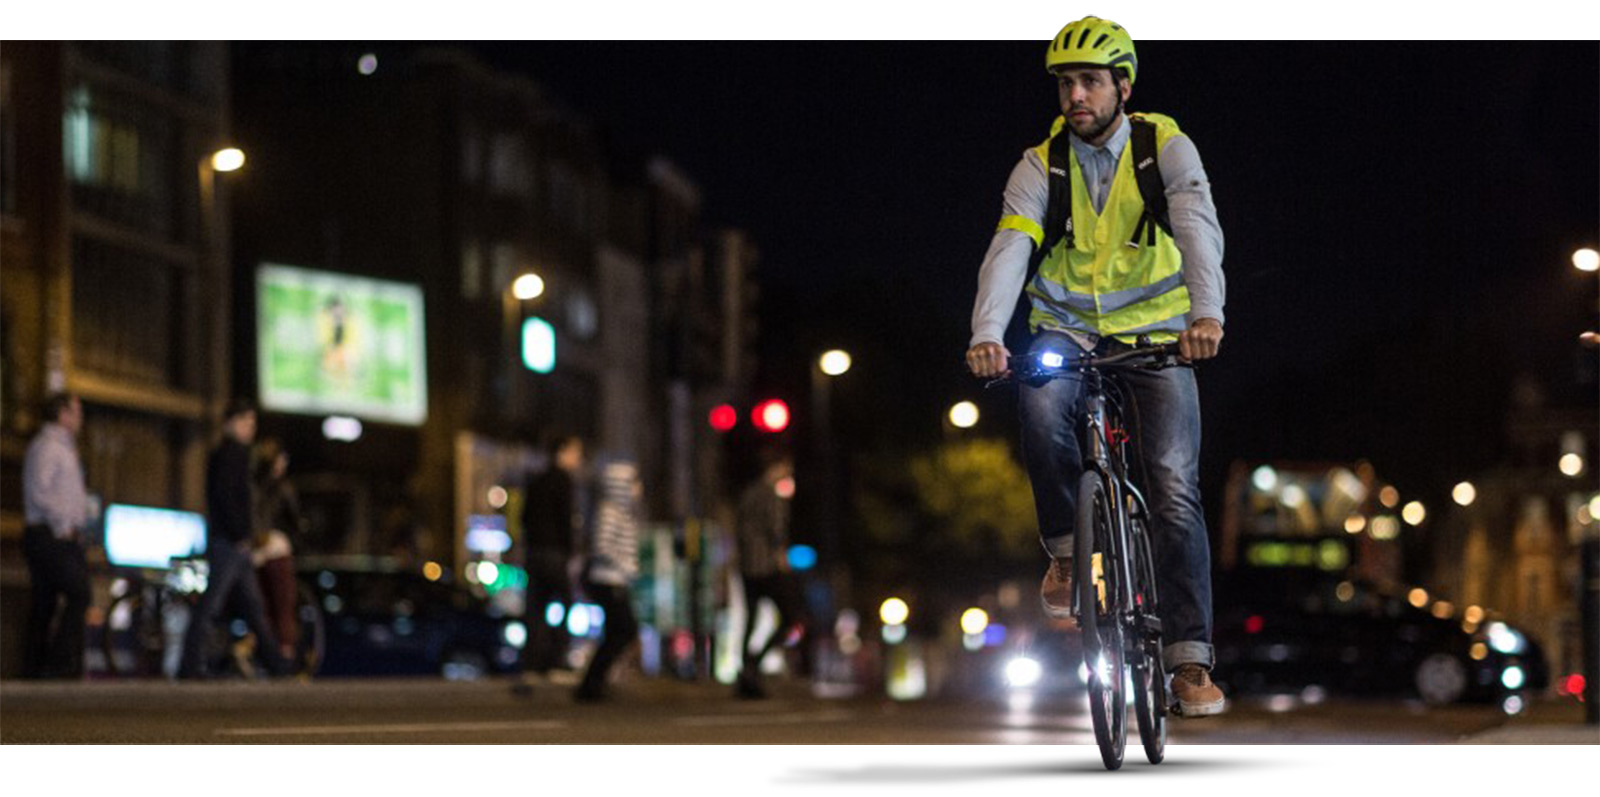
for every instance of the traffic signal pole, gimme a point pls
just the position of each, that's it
(1590, 609)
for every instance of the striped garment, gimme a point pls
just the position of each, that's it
(614, 554)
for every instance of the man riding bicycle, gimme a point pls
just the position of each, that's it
(1114, 212)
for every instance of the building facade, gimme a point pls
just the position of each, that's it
(112, 242)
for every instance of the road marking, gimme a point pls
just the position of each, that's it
(331, 730)
(765, 719)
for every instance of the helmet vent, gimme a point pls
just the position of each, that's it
(1102, 40)
(1084, 37)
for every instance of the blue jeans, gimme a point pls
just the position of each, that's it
(230, 585)
(1165, 463)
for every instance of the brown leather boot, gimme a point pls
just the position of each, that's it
(1197, 695)
(1055, 593)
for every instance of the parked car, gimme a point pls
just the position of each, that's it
(1293, 631)
(380, 618)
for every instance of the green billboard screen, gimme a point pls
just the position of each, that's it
(339, 344)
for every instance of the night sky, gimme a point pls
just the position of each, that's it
(1399, 219)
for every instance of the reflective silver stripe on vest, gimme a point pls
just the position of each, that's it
(1071, 321)
(1057, 294)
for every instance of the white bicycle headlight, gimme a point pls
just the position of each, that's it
(1051, 359)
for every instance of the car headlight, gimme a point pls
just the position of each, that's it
(1513, 677)
(515, 634)
(1506, 640)
(1023, 672)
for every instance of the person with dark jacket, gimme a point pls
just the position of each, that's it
(549, 522)
(231, 582)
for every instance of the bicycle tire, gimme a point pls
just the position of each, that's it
(1103, 645)
(311, 645)
(131, 646)
(1149, 674)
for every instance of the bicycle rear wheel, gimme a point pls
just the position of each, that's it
(1103, 646)
(132, 640)
(1149, 674)
(312, 642)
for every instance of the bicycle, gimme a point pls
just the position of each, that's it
(1115, 601)
(151, 609)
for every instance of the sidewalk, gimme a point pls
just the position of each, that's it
(1547, 721)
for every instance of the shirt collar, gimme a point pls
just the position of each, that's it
(1113, 145)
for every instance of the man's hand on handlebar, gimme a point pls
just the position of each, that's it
(1200, 341)
(988, 360)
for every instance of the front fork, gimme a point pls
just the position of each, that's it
(1104, 458)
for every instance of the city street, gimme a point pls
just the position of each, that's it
(426, 711)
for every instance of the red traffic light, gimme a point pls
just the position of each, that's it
(771, 415)
(724, 417)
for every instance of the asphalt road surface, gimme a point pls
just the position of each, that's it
(432, 711)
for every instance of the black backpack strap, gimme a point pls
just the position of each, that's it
(1058, 212)
(1152, 188)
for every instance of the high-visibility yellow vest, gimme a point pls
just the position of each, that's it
(1108, 281)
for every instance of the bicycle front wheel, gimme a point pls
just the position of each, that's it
(1149, 675)
(1103, 648)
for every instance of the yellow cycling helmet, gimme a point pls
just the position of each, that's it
(1093, 41)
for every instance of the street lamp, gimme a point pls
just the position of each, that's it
(1464, 494)
(1586, 259)
(829, 366)
(227, 160)
(214, 242)
(835, 362)
(528, 286)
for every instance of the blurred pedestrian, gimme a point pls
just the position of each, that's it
(762, 536)
(611, 564)
(56, 513)
(231, 583)
(278, 526)
(549, 531)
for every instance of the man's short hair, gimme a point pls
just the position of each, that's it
(774, 454)
(555, 443)
(54, 405)
(237, 407)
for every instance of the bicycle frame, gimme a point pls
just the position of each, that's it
(1104, 451)
(1131, 620)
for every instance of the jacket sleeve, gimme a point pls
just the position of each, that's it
(1195, 228)
(1005, 265)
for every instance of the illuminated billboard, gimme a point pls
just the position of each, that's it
(335, 344)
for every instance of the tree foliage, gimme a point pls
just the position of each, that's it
(966, 497)
(978, 494)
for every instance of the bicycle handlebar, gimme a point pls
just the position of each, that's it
(1051, 365)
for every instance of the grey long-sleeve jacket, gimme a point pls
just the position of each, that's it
(1195, 230)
